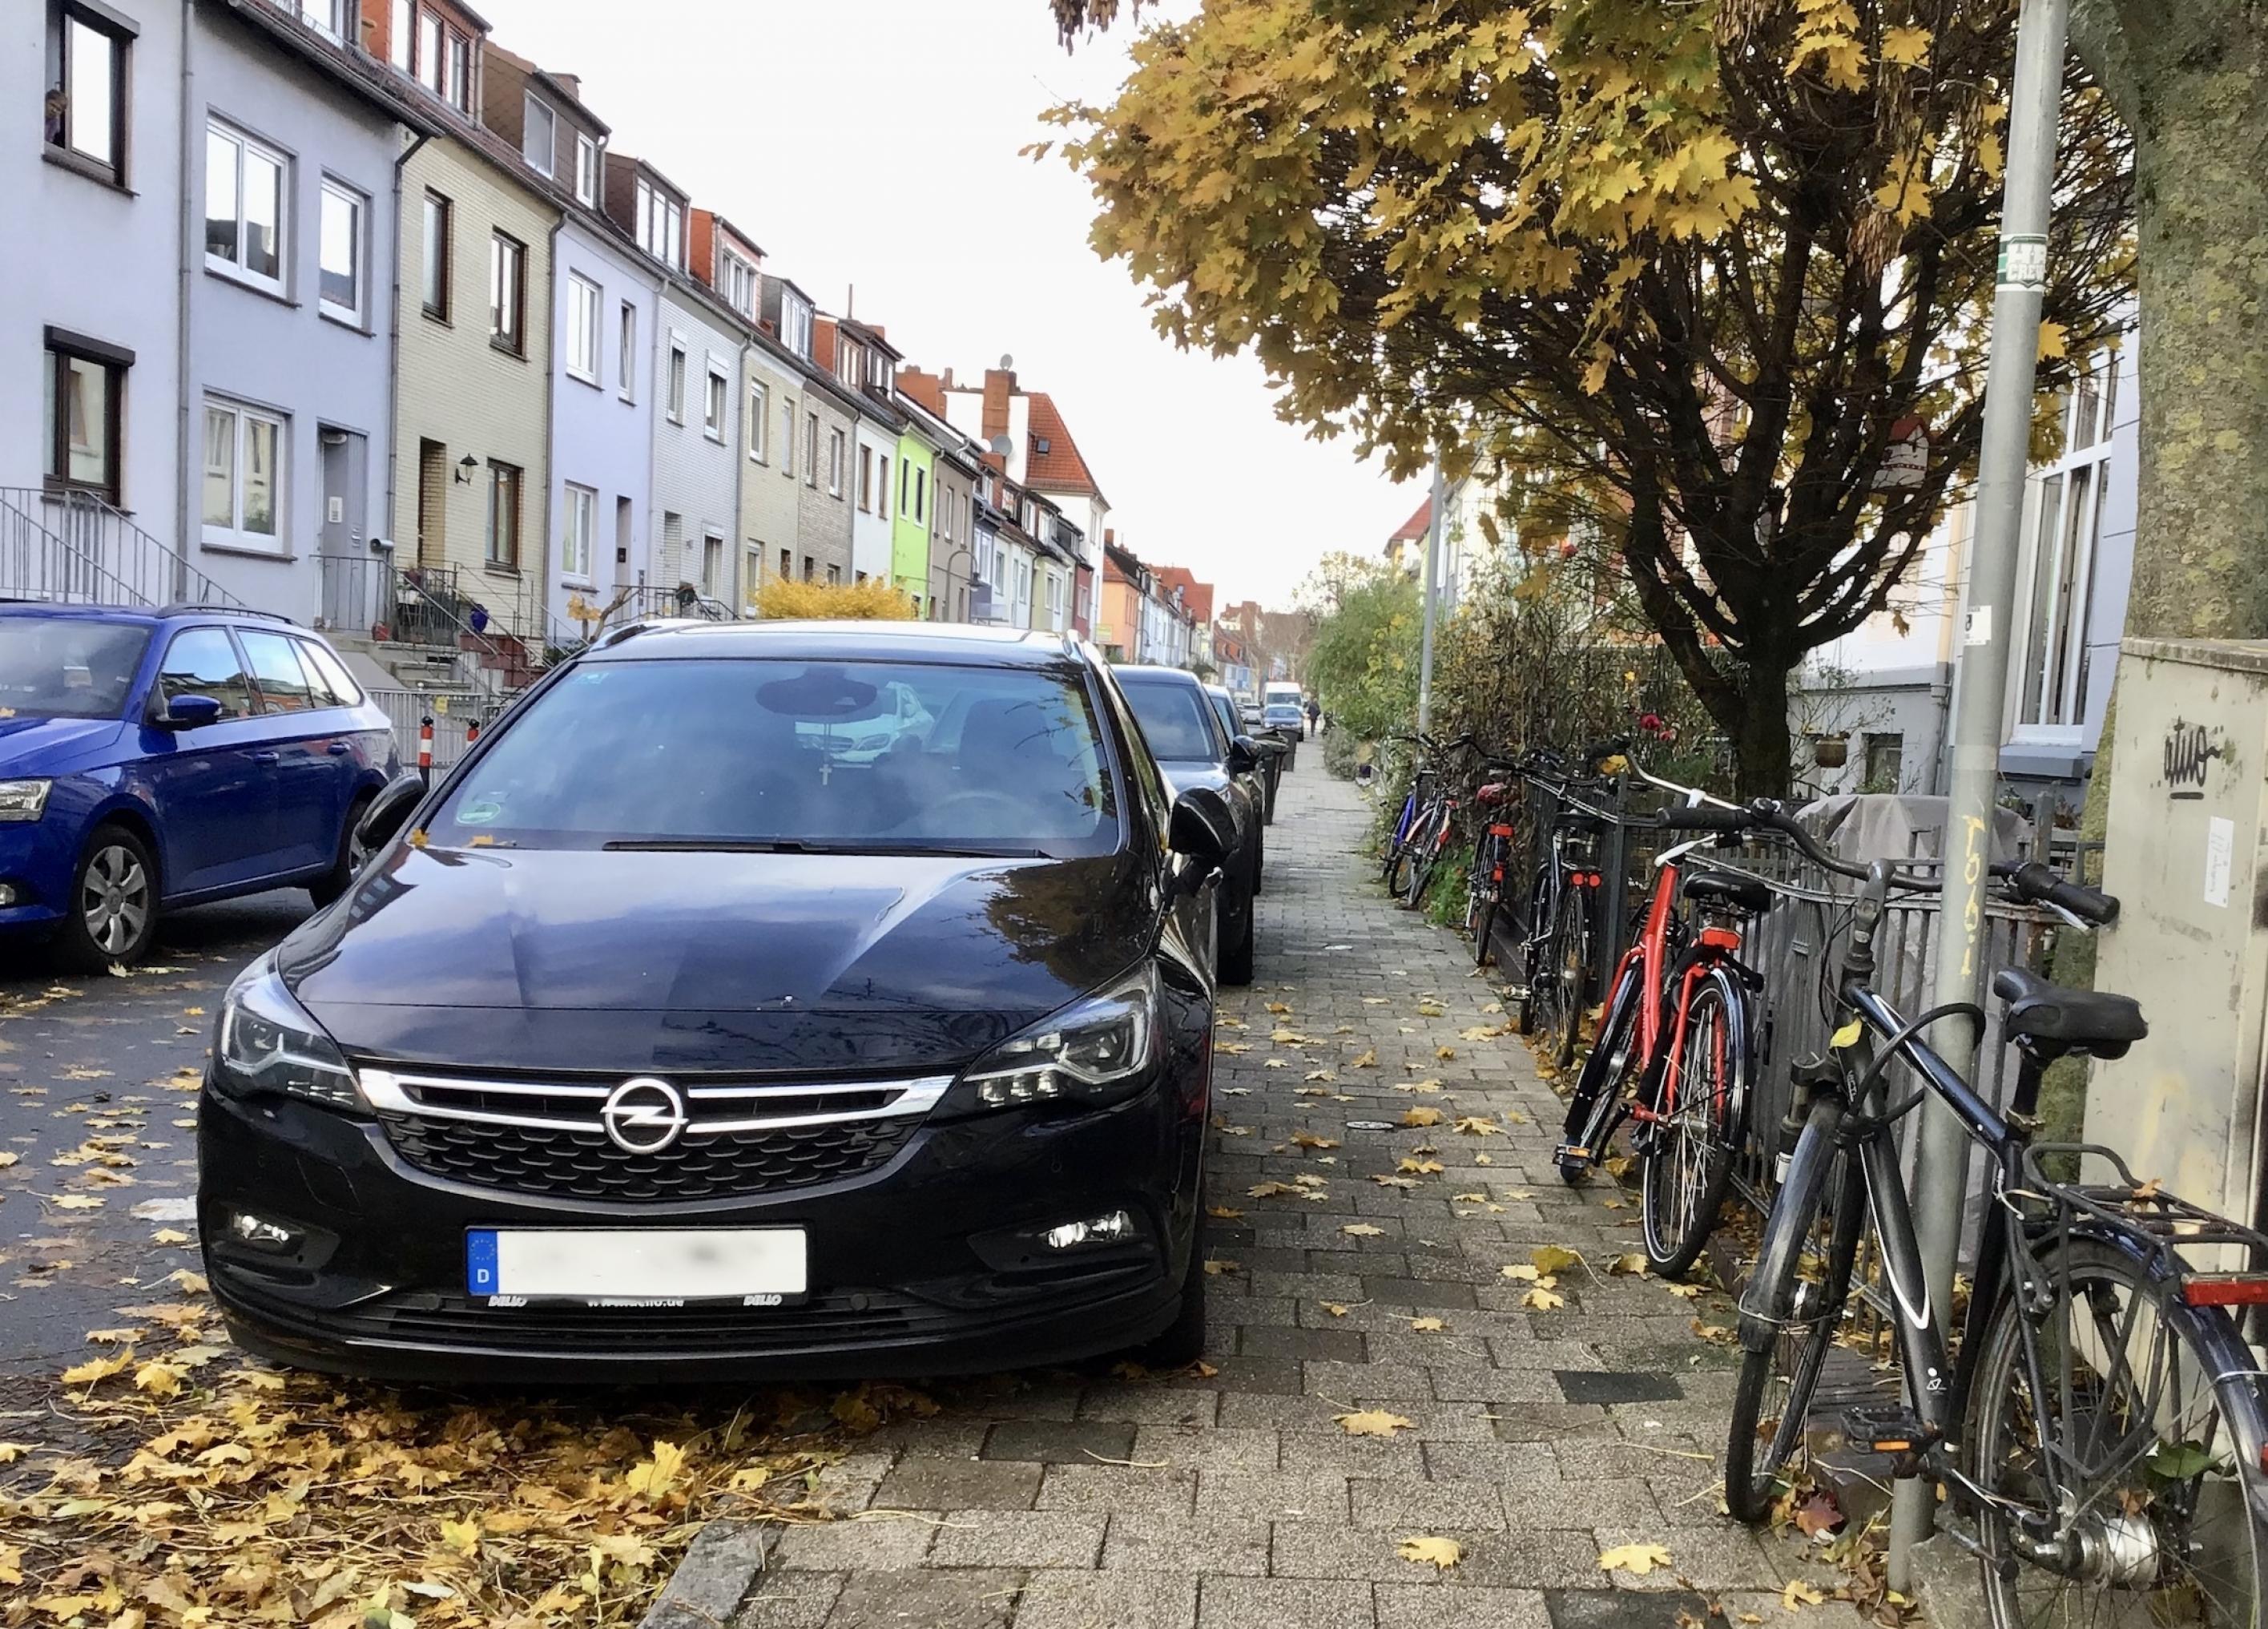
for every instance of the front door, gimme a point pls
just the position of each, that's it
(432, 504)
(345, 566)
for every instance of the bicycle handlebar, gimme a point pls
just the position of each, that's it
(2035, 884)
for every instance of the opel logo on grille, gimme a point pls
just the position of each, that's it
(642, 1116)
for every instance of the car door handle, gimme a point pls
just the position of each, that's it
(264, 757)
(338, 749)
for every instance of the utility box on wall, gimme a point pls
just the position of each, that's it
(2184, 854)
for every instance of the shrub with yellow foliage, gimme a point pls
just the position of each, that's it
(871, 601)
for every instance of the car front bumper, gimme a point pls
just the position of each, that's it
(36, 858)
(924, 1265)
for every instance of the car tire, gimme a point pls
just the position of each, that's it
(1236, 959)
(112, 914)
(336, 880)
(1259, 859)
(1181, 1342)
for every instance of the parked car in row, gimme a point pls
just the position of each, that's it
(153, 759)
(1268, 768)
(1194, 750)
(688, 1026)
(1284, 714)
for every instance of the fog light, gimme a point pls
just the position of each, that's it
(258, 1231)
(1102, 1230)
(7, 895)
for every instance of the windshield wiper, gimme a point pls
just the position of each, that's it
(796, 845)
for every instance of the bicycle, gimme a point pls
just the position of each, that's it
(1561, 917)
(1428, 817)
(2102, 1430)
(1675, 1054)
(1485, 879)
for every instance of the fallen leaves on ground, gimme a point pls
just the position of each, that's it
(1543, 1300)
(1363, 1230)
(1223, 1212)
(1372, 1422)
(1554, 1258)
(1309, 1140)
(1423, 1168)
(1428, 1326)
(1631, 1262)
(1278, 1007)
(1337, 1309)
(1422, 1114)
(1799, 1593)
(1638, 1559)
(1215, 1267)
(1364, 1061)
(1287, 1037)
(1428, 1549)
(1478, 1125)
(1445, 1053)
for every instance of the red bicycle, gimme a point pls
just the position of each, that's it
(1674, 1054)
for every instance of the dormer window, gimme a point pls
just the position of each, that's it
(795, 323)
(660, 224)
(738, 282)
(586, 170)
(538, 136)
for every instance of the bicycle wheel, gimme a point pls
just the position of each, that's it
(2151, 1525)
(1403, 861)
(1424, 847)
(1570, 969)
(1686, 1161)
(1529, 924)
(1791, 1311)
(1593, 1105)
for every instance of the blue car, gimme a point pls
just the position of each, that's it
(153, 759)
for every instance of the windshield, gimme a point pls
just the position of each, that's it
(68, 667)
(1174, 719)
(1283, 712)
(1225, 709)
(857, 757)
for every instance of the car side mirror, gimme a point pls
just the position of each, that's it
(191, 712)
(388, 812)
(1243, 755)
(1202, 827)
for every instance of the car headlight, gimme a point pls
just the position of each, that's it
(1099, 1050)
(267, 1043)
(24, 800)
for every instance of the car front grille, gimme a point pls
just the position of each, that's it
(551, 1137)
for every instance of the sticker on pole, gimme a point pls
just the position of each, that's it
(2023, 262)
(1977, 630)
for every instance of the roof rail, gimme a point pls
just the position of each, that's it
(609, 637)
(180, 606)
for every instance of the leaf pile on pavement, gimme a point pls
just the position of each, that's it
(218, 1493)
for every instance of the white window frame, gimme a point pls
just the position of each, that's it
(457, 71)
(489, 554)
(674, 388)
(712, 549)
(336, 191)
(627, 342)
(586, 170)
(233, 534)
(795, 325)
(716, 402)
(811, 452)
(741, 283)
(787, 437)
(531, 106)
(580, 537)
(760, 411)
(235, 268)
(837, 455)
(2062, 534)
(401, 47)
(585, 301)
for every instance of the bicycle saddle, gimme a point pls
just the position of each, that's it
(1716, 887)
(2093, 1021)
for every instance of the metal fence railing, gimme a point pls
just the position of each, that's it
(73, 548)
(457, 715)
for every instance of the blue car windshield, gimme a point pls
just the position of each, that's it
(840, 756)
(68, 667)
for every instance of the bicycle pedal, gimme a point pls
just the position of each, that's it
(1889, 1429)
(1570, 1156)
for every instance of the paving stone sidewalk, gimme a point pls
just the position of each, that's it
(1536, 1440)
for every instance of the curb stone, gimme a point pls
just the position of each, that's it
(719, 1571)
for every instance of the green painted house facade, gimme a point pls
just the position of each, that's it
(916, 497)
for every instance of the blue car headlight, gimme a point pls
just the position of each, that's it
(1102, 1049)
(268, 1042)
(24, 800)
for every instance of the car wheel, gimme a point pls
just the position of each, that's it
(112, 913)
(1181, 1342)
(1259, 859)
(335, 881)
(1236, 959)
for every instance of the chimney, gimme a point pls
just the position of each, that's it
(1000, 384)
(947, 377)
(573, 84)
(1109, 536)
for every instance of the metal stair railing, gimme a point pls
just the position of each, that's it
(37, 565)
(106, 555)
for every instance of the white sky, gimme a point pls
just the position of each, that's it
(874, 142)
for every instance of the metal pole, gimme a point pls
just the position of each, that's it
(1432, 574)
(1942, 1161)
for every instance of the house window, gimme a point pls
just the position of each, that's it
(438, 247)
(866, 480)
(921, 496)
(739, 284)
(787, 441)
(712, 561)
(809, 565)
(575, 542)
(714, 404)
(243, 208)
(834, 576)
(811, 453)
(586, 170)
(795, 325)
(538, 136)
(1885, 762)
(583, 301)
(244, 477)
(429, 51)
(759, 420)
(508, 294)
(905, 483)
(458, 88)
(2065, 525)
(834, 463)
(660, 225)
(883, 485)
(629, 360)
(503, 515)
(342, 263)
(399, 36)
(787, 568)
(676, 398)
(85, 383)
(86, 87)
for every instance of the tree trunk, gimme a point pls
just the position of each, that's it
(1754, 717)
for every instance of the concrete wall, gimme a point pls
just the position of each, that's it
(463, 393)
(769, 508)
(823, 516)
(695, 476)
(95, 260)
(283, 353)
(916, 463)
(601, 429)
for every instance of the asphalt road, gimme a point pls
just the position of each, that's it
(98, 1078)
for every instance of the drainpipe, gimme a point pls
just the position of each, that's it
(551, 476)
(183, 285)
(393, 350)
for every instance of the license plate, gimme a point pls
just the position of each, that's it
(637, 1267)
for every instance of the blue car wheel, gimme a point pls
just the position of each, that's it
(113, 911)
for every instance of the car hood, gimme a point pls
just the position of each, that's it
(56, 745)
(581, 961)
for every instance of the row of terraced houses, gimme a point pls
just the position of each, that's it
(345, 311)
